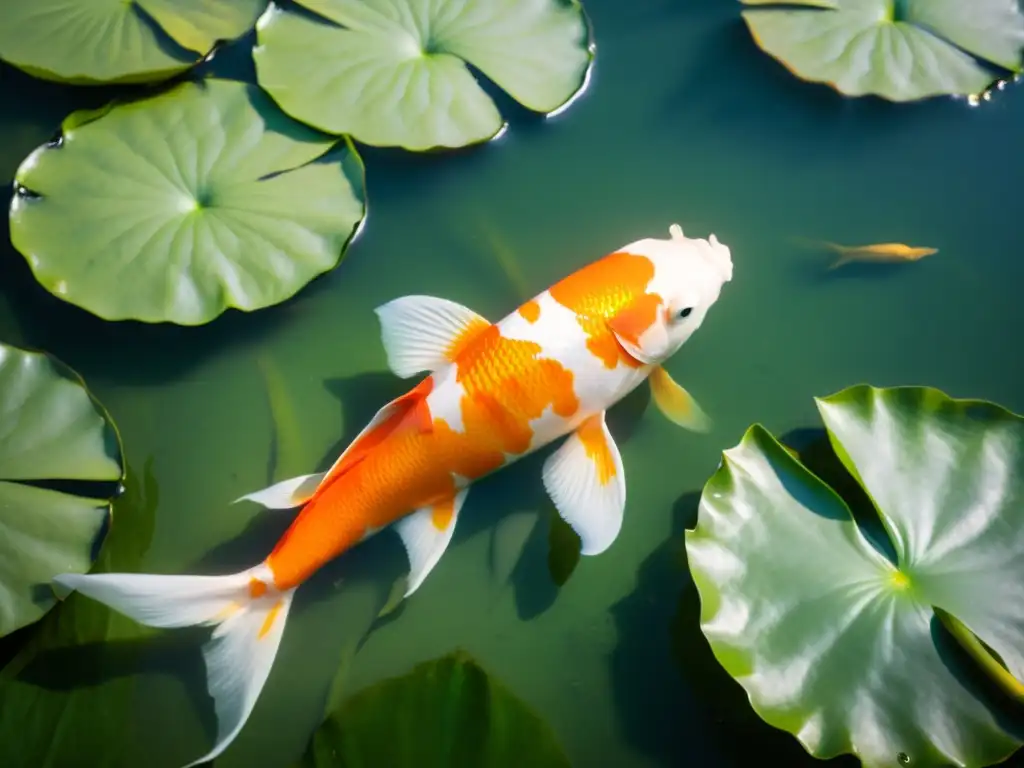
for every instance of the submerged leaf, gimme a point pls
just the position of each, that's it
(51, 429)
(832, 641)
(94, 41)
(177, 207)
(69, 692)
(906, 50)
(446, 712)
(393, 72)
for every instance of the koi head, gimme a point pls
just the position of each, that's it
(688, 278)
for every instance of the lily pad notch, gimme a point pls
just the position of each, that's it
(52, 432)
(900, 50)
(177, 207)
(396, 73)
(831, 640)
(89, 42)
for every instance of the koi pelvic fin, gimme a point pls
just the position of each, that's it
(249, 615)
(587, 484)
(426, 534)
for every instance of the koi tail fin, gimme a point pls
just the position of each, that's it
(248, 613)
(844, 258)
(846, 254)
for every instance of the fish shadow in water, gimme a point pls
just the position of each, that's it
(674, 717)
(858, 271)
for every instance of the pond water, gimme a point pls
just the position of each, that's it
(684, 120)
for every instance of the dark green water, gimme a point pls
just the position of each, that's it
(684, 121)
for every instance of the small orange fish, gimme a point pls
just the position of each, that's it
(888, 253)
(492, 393)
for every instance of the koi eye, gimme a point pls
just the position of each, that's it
(684, 312)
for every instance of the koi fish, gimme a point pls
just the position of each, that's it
(880, 252)
(493, 393)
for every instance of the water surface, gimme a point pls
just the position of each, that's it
(684, 121)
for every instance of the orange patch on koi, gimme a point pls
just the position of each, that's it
(596, 445)
(641, 313)
(530, 311)
(256, 588)
(442, 513)
(412, 404)
(466, 337)
(507, 385)
(597, 293)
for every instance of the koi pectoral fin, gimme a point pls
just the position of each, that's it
(286, 494)
(675, 403)
(426, 533)
(587, 484)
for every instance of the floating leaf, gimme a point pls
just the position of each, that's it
(51, 429)
(177, 207)
(445, 712)
(66, 697)
(96, 41)
(393, 72)
(833, 642)
(900, 50)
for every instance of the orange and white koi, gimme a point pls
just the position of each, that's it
(494, 393)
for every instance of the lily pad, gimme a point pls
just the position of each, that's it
(51, 429)
(174, 208)
(901, 50)
(67, 695)
(393, 72)
(127, 41)
(444, 712)
(832, 641)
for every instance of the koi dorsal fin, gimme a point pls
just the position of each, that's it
(425, 333)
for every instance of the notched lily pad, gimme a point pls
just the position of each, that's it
(901, 50)
(126, 41)
(832, 641)
(177, 207)
(393, 72)
(51, 429)
(446, 712)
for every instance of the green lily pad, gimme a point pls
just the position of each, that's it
(174, 208)
(127, 41)
(393, 72)
(66, 697)
(51, 429)
(901, 50)
(831, 640)
(445, 712)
